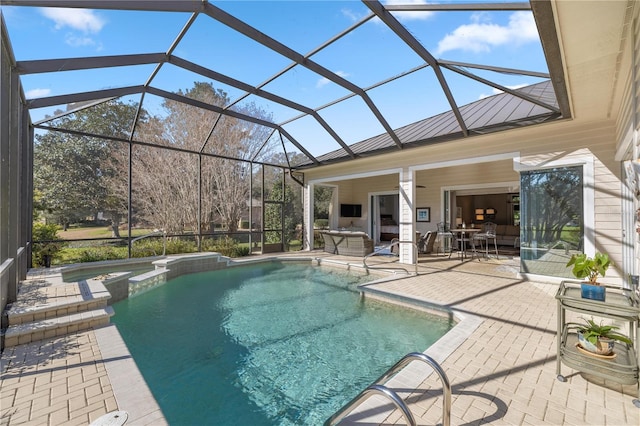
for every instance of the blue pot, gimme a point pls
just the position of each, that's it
(593, 292)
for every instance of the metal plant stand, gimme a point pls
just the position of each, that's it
(621, 305)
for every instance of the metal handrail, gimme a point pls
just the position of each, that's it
(394, 242)
(153, 234)
(381, 390)
(413, 356)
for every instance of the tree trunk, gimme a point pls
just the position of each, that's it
(115, 225)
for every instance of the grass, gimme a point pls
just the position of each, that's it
(81, 232)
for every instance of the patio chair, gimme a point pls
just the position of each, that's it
(426, 242)
(444, 238)
(463, 244)
(483, 238)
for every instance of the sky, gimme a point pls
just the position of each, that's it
(367, 56)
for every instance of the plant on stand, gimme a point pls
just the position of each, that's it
(590, 268)
(597, 338)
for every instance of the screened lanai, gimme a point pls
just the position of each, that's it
(199, 118)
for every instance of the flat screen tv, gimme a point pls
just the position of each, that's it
(351, 210)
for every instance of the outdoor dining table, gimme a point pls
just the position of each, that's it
(463, 244)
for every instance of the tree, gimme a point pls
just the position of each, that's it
(552, 198)
(71, 171)
(290, 209)
(166, 186)
(322, 198)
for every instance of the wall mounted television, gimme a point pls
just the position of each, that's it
(351, 210)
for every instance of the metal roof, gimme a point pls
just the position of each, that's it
(498, 112)
(512, 108)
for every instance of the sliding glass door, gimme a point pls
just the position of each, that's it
(551, 219)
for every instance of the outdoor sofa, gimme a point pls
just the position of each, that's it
(508, 235)
(347, 243)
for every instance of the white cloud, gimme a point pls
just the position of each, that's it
(324, 81)
(37, 93)
(351, 15)
(482, 35)
(495, 91)
(80, 41)
(78, 19)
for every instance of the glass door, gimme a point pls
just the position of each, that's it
(551, 219)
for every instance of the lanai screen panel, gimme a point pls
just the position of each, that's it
(330, 60)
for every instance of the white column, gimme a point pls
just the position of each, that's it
(407, 215)
(308, 217)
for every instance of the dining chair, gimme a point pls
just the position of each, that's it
(461, 243)
(488, 233)
(444, 238)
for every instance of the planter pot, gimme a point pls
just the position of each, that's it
(603, 346)
(46, 260)
(593, 292)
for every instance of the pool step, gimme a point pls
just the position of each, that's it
(47, 307)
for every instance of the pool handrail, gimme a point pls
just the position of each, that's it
(377, 388)
(381, 390)
(394, 242)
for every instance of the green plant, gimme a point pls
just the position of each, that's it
(589, 267)
(227, 246)
(592, 331)
(98, 254)
(321, 223)
(42, 235)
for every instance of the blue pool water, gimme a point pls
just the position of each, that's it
(267, 344)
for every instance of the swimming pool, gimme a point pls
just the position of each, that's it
(266, 344)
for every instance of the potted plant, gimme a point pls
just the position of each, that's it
(44, 250)
(47, 253)
(590, 268)
(597, 338)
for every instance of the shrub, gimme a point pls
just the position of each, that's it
(227, 246)
(44, 232)
(178, 245)
(98, 254)
(321, 223)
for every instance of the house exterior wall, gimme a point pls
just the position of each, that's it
(468, 162)
(627, 83)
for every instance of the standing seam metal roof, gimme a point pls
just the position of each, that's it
(502, 111)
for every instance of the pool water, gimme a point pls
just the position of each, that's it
(266, 344)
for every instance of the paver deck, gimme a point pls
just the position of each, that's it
(502, 373)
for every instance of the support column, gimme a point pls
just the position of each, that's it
(307, 240)
(407, 209)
